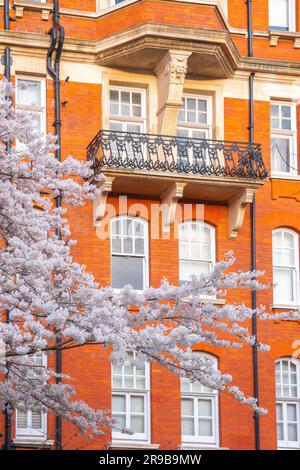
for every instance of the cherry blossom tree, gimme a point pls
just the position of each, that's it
(46, 295)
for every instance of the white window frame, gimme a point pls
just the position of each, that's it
(213, 396)
(35, 109)
(127, 120)
(145, 256)
(290, 134)
(212, 231)
(190, 126)
(284, 401)
(128, 393)
(291, 17)
(295, 268)
(31, 432)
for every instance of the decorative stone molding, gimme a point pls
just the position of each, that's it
(169, 201)
(35, 45)
(171, 72)
(297, 43)
(43, 7)
(237, 207)
(99, 207)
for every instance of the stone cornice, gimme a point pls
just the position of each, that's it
(99, 52)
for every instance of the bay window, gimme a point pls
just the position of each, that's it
(129, 252)
(287, 372)
(285, 267)
(131, 401)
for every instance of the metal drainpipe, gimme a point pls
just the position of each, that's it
(57, 34)
(7, 75)
(253, 229)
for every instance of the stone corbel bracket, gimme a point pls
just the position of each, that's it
(44, 8)
(169, 200)
(274, 40)
(237, 208)
(100, 201)
(171, 72)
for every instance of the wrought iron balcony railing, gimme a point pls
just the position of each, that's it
(116, 149)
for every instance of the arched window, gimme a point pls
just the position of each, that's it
(129, 252)
(131, 401)
(285, 267)
(288, 402)
(196, 249)
(199, 411)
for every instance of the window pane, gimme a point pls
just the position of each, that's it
(204, 408)
(280, 431)
(36, 419)
(128, 382)
(279, 412)
(185, 385)
(139, 246)
(22, 419)
(137, 404)
(202, 105)
(187, 407)
(187, 268)
(116, 245)
(140, 382)
(120, 422)
(114, 102)
(191, 103)
(274, 110)
(117, 381)
(280, 147)
(286, 111)
(137, 98)
(283, 277)
(187, 425)
(29, 92)
(291, 412)
(118, 403)
(137, 424)
(127, 270)
(128, 245)
(292, 432)
(278, 14)
(205, 427)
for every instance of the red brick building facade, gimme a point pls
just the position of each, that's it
(177, 67)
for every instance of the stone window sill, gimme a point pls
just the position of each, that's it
(119, 445)
(31, 442)
(285, 307)
(283, 176)
(200, 447)
(275, 35)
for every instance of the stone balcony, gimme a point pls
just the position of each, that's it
(176, 168)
